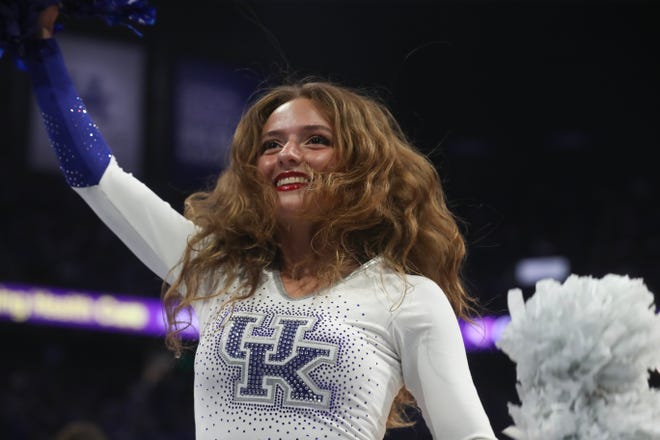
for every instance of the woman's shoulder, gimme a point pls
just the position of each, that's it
(402, 289)
(380, 269)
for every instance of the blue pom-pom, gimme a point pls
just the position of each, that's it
(18, 18)
(113, 12)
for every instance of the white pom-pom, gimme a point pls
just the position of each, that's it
(583, 350)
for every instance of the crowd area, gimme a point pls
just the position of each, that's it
(57, 382)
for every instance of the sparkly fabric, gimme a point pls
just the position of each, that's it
(81, 151)
(113, 12)
(275, 367)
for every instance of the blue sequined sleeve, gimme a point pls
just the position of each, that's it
(155, 232)
(81, 151)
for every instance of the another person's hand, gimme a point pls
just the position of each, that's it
(46, 22)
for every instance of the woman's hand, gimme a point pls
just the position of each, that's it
(46, 22)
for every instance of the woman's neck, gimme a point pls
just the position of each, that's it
(296, 255)
(297, 261)
(300, 265)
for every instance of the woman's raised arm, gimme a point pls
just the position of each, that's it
(155, 232)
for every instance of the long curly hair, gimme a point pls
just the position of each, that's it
(384, 199)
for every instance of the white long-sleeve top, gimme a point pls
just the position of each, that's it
(326, 366)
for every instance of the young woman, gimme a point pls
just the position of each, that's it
(323, 267)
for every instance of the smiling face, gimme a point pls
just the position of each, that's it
(296, 140)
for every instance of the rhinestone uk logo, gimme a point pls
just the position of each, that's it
(274, 353)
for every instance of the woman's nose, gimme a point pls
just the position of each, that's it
(290, 154)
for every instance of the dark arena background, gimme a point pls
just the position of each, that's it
(543, 119)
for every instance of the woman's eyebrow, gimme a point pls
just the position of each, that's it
(304, 129)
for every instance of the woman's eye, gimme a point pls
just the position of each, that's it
(320, 140)
(269, 146)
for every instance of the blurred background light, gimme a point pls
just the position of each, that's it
(530, 270)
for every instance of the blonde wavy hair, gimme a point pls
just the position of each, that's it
(384, 197)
